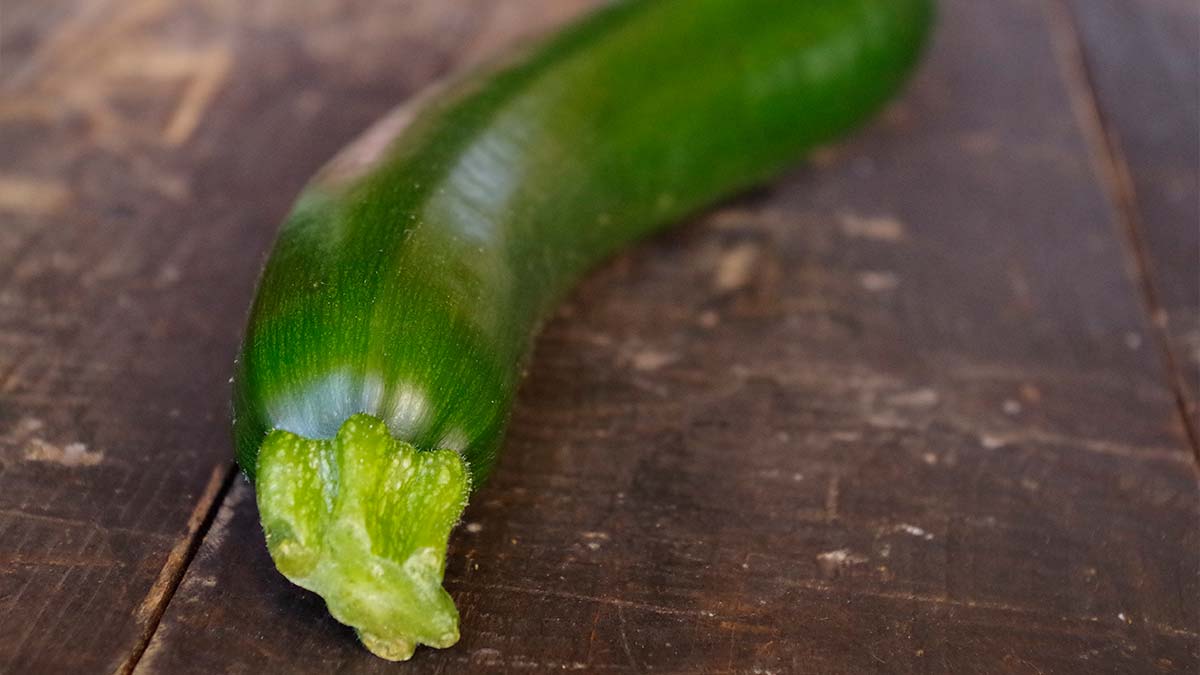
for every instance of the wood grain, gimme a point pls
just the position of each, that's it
(884, 415)
(1143, 58)
(149, 149)
(895, 412)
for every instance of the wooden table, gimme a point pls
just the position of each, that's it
(927, 403)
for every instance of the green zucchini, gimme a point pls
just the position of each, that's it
(397, 308)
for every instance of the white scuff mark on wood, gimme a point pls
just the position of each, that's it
(736, 267)
(877, 228)
(33, 196)
(650, 360)
(918, 398)
(878, 281)
(68, 454)
(992, 442)
(832, 563)
(594, 539)
(914, 531)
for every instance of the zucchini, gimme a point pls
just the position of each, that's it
(395, 313)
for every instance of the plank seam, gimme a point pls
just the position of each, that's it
(154, 606)
(1109, 162)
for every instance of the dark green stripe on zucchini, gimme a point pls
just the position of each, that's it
(394, 315)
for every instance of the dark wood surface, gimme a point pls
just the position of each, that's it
(901, 410)
(1143, 58)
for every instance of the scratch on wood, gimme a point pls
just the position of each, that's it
(210, 72)
(615, 602)
(70, 522)
(35, 619)
(1101, 447)
(992, 439)
(594, 634)
(1166, 629)
(625, 641)
(827, 588)
(24, 560)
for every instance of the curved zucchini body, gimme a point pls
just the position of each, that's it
(393, 317)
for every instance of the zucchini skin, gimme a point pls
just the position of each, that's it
(411, 287)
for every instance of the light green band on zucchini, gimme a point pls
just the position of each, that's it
(363, 520)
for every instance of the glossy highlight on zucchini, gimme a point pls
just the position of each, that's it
(396, 310)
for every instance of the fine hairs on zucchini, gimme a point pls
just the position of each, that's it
(396, 310)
